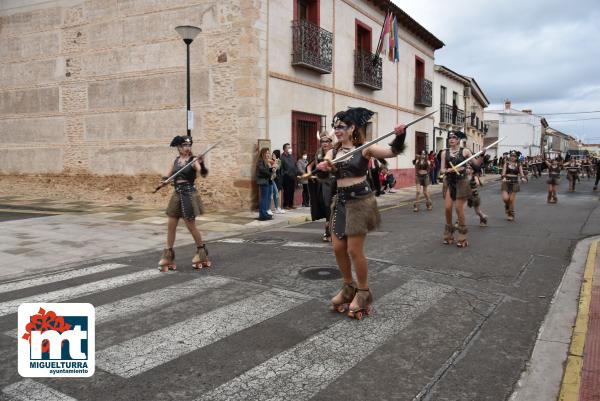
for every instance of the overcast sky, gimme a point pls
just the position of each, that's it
(541, 54)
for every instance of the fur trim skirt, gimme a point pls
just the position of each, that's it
(474, 201)
(553, 181)
(185, 203)
(422, 180)
(354, 211)
(458, 185)
(511, 187)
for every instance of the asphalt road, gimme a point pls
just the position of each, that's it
(449, 323)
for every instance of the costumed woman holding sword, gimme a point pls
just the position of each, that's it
(354, 208)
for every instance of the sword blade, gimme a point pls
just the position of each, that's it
(165, 182)
(476, 154)
(373, 141)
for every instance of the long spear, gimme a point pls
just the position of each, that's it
(172, 177)
(371, 142)
(455, 168)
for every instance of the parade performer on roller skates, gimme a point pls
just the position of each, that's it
(474, 200)
(354, 208)
(185, 203)
(422, 173)
(456, 189)
(553, 179)
(573, 171)
(321, 191)
(511, 172)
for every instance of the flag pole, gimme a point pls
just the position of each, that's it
(377, 51)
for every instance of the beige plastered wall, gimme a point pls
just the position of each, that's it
(97, 88)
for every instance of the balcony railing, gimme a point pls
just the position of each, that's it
(451, 115)
(367, 70)
(312, 46)
(423, 92)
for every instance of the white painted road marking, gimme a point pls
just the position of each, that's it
(6, 308)
(55, 277)
(127, 307)
(29, 390)
(302, 371)
(143, 353)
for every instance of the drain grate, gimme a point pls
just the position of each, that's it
(321, 272)
(268, 241)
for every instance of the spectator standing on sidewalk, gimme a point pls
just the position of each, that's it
(301, 165)
(288, 175)
(263, 180)
(276, 181)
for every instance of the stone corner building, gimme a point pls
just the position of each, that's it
(96, 88)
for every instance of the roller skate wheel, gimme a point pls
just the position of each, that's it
(341, 308)
(197, 266)
(172, 267)
(206, 264)
(358, 315)
(164, 268)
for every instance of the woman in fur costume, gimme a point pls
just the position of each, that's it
(456, 189)
(184, 204)
(554, 168)
(354, 208)
(422, 180)
(511, 171)
(321, 191)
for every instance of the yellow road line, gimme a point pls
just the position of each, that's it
(395, 206)
(26, 211)
(571, 382)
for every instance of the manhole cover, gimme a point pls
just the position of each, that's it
(268, 241)
(321, 273)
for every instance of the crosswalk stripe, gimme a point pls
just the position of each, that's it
(305, 369)
(143, 353)
(8, 307)
(29, 390)
(51, 278)
(128, 307)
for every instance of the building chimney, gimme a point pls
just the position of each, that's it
(507, 105)
(528, 111)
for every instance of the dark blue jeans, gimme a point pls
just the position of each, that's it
(265, 201)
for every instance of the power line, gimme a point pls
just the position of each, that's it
(580, 119)
(574, 112)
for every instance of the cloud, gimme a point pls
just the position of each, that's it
(541, 54)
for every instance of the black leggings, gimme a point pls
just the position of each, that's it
(289, 186)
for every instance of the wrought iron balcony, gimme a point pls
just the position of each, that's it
(423, 92)
(367, 70)
(451, 115)
(312, 46)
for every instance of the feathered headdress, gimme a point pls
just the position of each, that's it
(459, 134)
(181, 140)
(359, 116)
(322, 135)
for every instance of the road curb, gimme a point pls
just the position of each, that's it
(571, 382)
(542, 378)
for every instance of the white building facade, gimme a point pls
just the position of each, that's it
(332, 45)
(461, 104)
(521, 130)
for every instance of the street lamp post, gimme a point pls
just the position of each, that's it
(188, 33)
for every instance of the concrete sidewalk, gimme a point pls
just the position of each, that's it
(68, 233)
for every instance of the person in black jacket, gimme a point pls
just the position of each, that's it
(288, 174)
(264, 171)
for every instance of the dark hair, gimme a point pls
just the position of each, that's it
(357, 117)
(261, 154)
(285, 144)
(277, 153)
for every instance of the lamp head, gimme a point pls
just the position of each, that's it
(188, 32)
